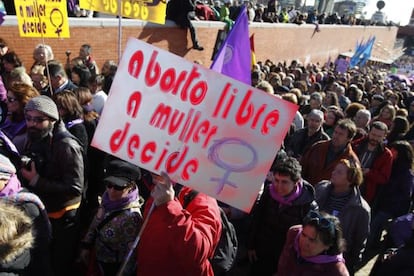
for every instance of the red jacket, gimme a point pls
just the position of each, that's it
(380, 171)
(314, 169)
(177, 241)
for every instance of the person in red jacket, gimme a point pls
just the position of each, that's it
(178, 241)
(376, 161)
(321, 159)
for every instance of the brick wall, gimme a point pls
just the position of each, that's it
(276, 42)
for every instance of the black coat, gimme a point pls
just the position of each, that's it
(271, 221)
(177, 11)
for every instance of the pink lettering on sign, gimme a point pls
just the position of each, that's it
(134, 102)
(163, 157)
(187, 84)
(189, 125)
(247, 113)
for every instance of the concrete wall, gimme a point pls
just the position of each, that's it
(276, 42)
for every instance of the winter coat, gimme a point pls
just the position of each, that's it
(112, 240)
(270, 221)
(291, 265)
(396, 196)
(354, 217)
(15, 244)
(380, 171)
(177, 241)
(60, 165)
(313, 162)
(35, 210)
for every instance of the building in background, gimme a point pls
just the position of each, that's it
(350, 7)
(324, 6)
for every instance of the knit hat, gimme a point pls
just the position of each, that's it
(120, 173)
(45, 105)
(6, 167)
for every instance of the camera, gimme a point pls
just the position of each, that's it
(68, 52)
(26, 162)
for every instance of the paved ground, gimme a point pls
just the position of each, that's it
(364, 271)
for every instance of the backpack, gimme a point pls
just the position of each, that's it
(226, 250)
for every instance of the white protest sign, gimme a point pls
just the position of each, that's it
(207, 131)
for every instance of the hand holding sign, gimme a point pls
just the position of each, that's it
(163, 191)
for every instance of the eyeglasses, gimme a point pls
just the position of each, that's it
(325, 223)
(115, 187)
(36, 120)
(11, 100)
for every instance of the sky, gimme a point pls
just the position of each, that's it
(396, 10)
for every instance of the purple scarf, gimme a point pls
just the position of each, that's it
(286, 200)
(109, 205)
(87, 108)
(12, 187)
(319, 259)
(73, 122)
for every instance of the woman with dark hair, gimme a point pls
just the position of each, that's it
(96, 157)
(89, 115)
(71, 113)
(395, 198)
(80, 75)
(284, 203)
(314, 248)
(340, 196)
(399, 128)
(332, 117)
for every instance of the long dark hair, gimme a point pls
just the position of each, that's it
(329, 231)
(405, 154)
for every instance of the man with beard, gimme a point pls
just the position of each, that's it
(376, 161)
(302, 139)
(321, 159)
(56, 175)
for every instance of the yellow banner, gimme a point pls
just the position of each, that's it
(42, 18)
(148, 10)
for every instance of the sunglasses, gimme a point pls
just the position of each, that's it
(36, 120)
(115, 187)
(320, 221)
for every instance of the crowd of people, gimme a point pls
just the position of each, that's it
(342, 176)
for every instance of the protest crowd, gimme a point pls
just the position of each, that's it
(339, 191)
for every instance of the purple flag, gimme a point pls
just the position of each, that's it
(234, 57)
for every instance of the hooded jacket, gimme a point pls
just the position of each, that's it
(16, 240)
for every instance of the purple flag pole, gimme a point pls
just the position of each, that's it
(234, 57)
